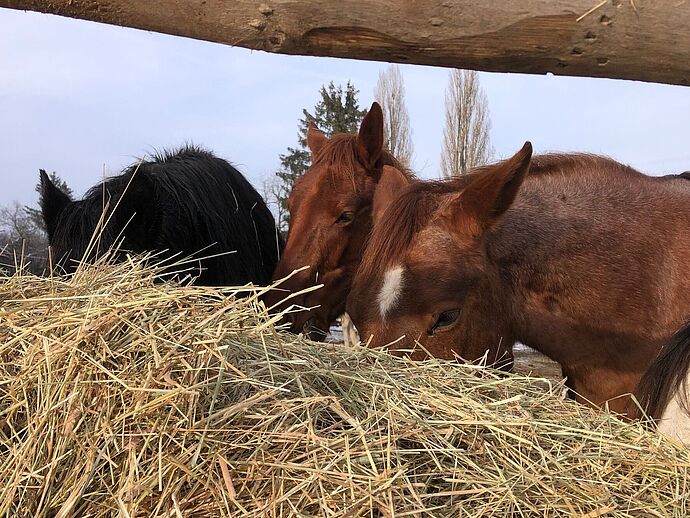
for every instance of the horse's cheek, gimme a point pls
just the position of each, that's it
(334, 248)
(300, 251)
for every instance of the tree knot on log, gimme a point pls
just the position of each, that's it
(257, 24)
(266, 9)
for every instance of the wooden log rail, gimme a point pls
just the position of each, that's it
(647, 40)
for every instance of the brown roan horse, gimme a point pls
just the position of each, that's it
(330, 219)
(576, 256)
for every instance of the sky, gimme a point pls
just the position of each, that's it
(86, 99)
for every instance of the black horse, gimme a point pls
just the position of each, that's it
(180, 204)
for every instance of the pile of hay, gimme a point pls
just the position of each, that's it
(122, 397)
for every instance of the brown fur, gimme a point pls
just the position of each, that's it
(343, 177)
(416, 204)
(588, 265)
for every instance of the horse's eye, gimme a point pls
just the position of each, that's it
(445, 319)
(345, 217)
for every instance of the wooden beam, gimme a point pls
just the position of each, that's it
(647, 40)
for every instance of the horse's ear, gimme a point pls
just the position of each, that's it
(370, 139)
(315, 139)
(492, 193)
(52, 201)
(392, 181)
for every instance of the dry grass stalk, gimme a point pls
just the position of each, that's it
(123, 397)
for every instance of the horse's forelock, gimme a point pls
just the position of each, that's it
(341, 155)
(393, 233)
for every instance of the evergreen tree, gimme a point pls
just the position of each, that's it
(336, 112)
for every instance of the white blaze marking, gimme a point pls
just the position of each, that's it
(674, 421)
(390, 291)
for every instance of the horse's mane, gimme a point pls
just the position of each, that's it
(85, 213)
(341, 152)
(117, 183)
(666, 376)
(182, 153)
(567, 163)
(393, 234)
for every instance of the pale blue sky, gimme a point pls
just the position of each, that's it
(82, 98)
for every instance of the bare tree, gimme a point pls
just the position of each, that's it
(466, 141)
(273, 191)
(21, 240)
(390, 94)
(19, 226)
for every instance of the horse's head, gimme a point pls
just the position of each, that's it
(59, 213)
(330, 218)
(83, 229)
(427, 284)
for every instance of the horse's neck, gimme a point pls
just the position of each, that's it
(675, 421)
(565, 257)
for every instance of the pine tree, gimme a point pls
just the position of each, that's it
(336, 112)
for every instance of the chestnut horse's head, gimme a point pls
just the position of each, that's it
(330, 219)
(427, 284)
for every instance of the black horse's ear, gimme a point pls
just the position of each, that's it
(52, 201)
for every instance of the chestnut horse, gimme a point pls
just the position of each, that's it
(330, 219)
(583, 259)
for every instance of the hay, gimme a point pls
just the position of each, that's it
(121, 397)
